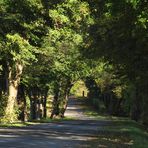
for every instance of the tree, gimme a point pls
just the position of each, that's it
(119, 35)
(64, 41)
(42, 29)
(23, 23)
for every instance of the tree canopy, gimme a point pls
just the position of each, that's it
(46, 46)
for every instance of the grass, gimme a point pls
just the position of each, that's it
(34, 122)
(125, 132)
(17, 124)
(47, 120)
(120, 131)
(89, 110)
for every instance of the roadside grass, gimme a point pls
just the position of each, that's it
(120, 131)
(17, 124)
(35, 122)
(125, 132)
(47, 120)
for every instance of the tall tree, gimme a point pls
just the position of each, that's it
(23, 24)
(119, 35)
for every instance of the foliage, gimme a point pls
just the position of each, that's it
(3, 101)
(78, 89)
(119, 36)
(103, 43)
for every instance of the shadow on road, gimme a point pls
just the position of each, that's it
(83, 132)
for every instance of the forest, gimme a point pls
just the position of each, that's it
(46, 46)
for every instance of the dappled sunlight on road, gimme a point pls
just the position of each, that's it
(80, 132)
(75, 110)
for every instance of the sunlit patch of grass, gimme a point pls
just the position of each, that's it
(17, 124)
(46, 120)
(35, 122)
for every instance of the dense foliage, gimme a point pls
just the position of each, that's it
(46, 46)
(119, 36)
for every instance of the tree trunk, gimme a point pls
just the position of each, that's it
(136, 106)
(11, 102)
(45, 107)
(145, 103)
(56, 109)
(33, 109)
(67, 91)
(44, 104)
(14, 81)
(25, 117)
(21, 99)
(64, 106)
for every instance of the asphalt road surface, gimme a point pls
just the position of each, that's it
(79, 133)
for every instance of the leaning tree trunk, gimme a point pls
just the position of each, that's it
(64, 105)
(66, 96)
(56, 108)
(13, 81)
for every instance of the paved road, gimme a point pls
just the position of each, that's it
(79, 133)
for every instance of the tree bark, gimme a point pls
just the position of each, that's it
(136, 105)
(21, 99)
(67, 91)
(45, 107)
(56, 109)
(13, 81)
(44, 104)
(65, 105)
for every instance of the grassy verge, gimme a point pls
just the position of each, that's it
(47, 120)
(125, 132)
(120, 132)
(17, 124)
(34, 122)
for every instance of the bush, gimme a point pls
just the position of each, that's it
(3, 103)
